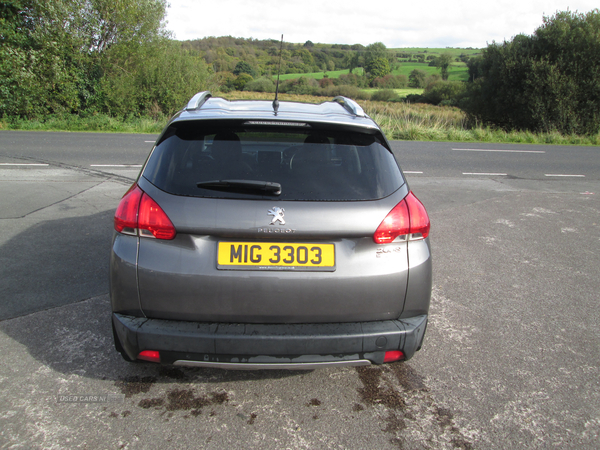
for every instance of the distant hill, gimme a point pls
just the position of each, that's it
(262, 56)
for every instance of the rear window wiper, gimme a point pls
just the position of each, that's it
(268, 187)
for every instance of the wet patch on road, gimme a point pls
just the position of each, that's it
(184, 399)
(372, 392)
(134, 385)
(410, 414)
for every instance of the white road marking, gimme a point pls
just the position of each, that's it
(499, 151)
(411, 171)
(115, 165)
(22, 164)
(486, 174)
(562, 175)
(149, 142)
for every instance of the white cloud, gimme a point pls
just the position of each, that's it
(433, 23)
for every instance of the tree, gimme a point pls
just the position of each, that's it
(375, 51)
(443, 63)
(351, 60)
(416, 78)
(153, 79)
(40, 65)
(106, 22)
(378, 67)
(244, 67)
(544, 82)
(66, 56)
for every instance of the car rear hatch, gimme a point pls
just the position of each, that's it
(244, 252)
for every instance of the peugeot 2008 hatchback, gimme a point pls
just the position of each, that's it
(260, 236)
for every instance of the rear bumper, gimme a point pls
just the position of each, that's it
(256, 346)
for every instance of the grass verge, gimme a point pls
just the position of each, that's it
(100, 123)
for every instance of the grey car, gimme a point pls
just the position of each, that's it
(263, 236)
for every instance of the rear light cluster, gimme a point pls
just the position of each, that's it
(139, 215)
(408, 221)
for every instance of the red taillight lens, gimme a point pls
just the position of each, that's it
(138, 214)
(153, 221)
(419, 219)
(408, 218)
(395, 224)
(149, 355)
(126, 217)
(393, 355)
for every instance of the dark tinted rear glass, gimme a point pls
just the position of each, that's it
(310, 165)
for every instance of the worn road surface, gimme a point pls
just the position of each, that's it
(511, 357)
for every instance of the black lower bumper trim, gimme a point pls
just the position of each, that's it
(269, 343)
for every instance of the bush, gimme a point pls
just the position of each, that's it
(391, 82)
(414, 98)
(385, 95)
(300, 86)
(445, 93)
(260, 85)
(224, 81)
(431, 79)
(351, 79)
(325, 82)
(241, 81)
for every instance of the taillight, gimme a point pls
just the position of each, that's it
(407, 219)
(153, 221)
(393, 355)
(126, 217)
(419, 219)
(149, 355)
(139, 215)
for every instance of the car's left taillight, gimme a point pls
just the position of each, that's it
(408, 220)
(139, 215)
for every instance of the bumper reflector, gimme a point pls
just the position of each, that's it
(394, 355)
(149, 355)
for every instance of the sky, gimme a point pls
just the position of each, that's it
(399, 23)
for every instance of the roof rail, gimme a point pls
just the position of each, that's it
(198, 100)
(350, 105)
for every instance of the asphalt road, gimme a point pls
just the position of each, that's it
(510, 358)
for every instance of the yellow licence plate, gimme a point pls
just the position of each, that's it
(275, 256)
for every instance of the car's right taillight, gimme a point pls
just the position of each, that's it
(139, 215)
(407, 220)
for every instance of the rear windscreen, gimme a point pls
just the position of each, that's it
(310, 165)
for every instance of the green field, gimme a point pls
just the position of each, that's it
(317, 75)
(457, 72)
